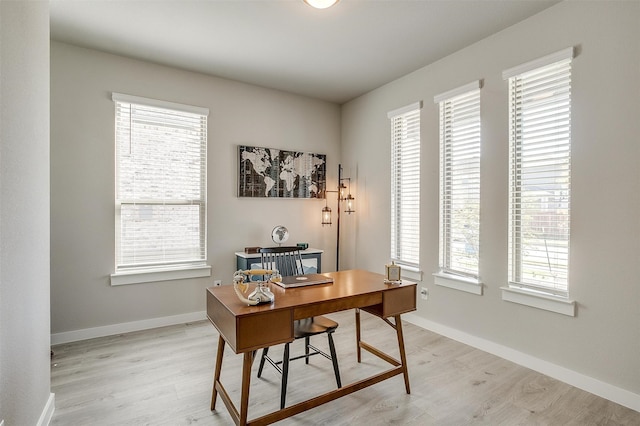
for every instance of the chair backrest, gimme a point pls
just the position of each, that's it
(287, 260)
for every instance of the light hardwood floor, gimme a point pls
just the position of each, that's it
(164, 376)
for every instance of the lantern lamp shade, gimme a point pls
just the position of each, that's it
(326, 216)
(350, 200)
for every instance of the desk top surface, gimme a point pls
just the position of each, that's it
(345, 284)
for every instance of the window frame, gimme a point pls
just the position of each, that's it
(554, 68)
(460, 142)
(168, 268)
(405, 136)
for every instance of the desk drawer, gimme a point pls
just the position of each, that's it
(249, 332)
(399, 301)
(327, 307)
(264, 329)
(395, 301)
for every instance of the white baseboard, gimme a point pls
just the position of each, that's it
(126, 327)
(573, 378)
(47, 412)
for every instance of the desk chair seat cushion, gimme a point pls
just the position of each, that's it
(312, 326)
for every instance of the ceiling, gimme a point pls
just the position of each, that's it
(334, 54)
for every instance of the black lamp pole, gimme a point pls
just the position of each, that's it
(326, 211)
(338, 226)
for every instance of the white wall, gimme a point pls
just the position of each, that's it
(603, 340)
(82, 181)
(25, 397)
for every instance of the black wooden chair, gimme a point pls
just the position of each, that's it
(288, 261)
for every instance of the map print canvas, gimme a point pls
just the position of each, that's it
(269, 172)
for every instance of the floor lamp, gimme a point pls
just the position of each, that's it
(344, 195)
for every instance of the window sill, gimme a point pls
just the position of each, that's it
(466, 284)
(550, 303)
(152, 275)
(410, 272)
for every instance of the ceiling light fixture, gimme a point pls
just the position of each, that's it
(321, 4)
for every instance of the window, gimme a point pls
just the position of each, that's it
(161, 164)
(405, 186)
(539, 174)
(460, 181)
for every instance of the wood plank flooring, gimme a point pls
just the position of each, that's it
(163, 377)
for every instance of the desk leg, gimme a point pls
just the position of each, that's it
(359, 353)
(216, 376)
(246, 380)
(403, 355)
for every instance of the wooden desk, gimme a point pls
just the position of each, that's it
(242, 328)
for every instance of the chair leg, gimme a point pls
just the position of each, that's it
(306, 350)
(334, 359)
(262, 358)
(285, 375)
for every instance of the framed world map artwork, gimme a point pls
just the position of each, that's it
(277, 173)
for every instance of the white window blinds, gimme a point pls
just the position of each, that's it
(161, 152)
(539, 173)
(405, 185)
(460, 180)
